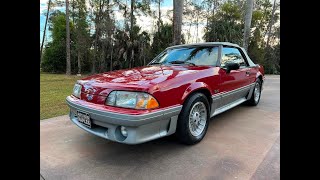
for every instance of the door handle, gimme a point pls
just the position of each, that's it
(247, 73)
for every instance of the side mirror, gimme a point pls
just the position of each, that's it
(232, 66)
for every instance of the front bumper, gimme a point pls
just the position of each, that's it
(140, 128)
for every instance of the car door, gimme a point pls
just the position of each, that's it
(250, 70)
(235, 84)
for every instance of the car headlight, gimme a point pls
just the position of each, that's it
(77, 90)
(135, 100)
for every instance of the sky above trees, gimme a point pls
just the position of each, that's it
(146, 23)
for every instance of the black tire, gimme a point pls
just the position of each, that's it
(183, 132)
(252, 101)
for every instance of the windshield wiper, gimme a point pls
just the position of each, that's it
(181, 62)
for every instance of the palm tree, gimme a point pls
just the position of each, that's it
(45, 27)
(247, 23)
(271, 23)
(68, 39)
(131, 61)
(177, 21)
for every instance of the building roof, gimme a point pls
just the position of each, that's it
(205, 44)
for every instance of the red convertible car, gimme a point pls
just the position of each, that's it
(176, 93)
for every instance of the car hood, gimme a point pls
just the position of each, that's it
(138, 79)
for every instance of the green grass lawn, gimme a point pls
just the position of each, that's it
(54, 88)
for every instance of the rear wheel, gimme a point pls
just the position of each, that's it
(256, 94)
(193, 119)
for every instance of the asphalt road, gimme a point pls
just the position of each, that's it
(242, 143)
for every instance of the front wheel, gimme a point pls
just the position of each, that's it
(193, 119)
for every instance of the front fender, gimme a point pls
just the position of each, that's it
(194, 87)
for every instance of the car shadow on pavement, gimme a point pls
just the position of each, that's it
(117, 154)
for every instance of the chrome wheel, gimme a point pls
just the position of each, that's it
(197, 118)
(257, 92)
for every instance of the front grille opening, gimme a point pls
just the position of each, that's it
(100, 129)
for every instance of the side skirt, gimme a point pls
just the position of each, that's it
(228, 106)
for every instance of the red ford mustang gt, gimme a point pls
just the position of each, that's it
(176, 93)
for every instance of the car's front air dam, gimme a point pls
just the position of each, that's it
(140, 128)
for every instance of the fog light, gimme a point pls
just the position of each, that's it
(124, 131)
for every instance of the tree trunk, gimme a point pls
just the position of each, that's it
(68, 39)
(144, 57)
(144, 60)
(159, 15)
(79, 62)
(103, 57)
(72, 12)
(177, 21)
(189, 33)
(197, 28)
(93, 69)
(213, 14)
(247, 23)
(111, 64)
(131, 34)
(132, 58)
(270, 23)
(98, 22)
(208, 13)
(97, 31)
(44, 31)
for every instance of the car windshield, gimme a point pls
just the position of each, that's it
(188, 55)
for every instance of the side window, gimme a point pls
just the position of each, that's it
(230, 54)
(207, 56)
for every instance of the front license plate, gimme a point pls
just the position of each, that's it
(84, 118)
